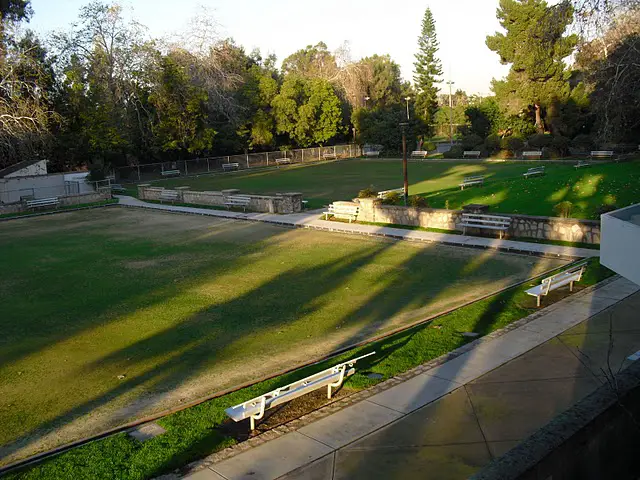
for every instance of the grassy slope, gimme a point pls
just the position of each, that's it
(192, 433)
(168, 299)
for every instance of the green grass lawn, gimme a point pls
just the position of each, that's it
(114, 313)
(505, 188)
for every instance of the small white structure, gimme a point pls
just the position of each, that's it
(26, 168)
(620, 241)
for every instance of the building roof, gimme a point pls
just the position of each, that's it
(18, 166)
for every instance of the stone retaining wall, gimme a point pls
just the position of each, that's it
(543, 228)
(279, 203)
(63, 201)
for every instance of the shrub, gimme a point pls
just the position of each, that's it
(563, 209)
(513, 144)
(605, 208)
(418, 201)
(582, 142)
(392, 198)
(429, 146)
(503, 154)
(561, 144)
(367, 193)
(539, 140)
(492, 143)
(469, 142)
(455, 152)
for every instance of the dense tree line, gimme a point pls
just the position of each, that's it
(105, 93)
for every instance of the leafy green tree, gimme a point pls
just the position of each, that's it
(381, 80)
(427, 69)
(485, 118)
(314, 61)
(308, 110)
(535, 45)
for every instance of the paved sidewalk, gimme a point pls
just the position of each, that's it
(312, 220)
(448, 422)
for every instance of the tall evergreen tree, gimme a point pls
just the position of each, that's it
(535, 46)
(427, 69)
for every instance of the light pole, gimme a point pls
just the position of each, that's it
(407, 99)
(404, 126)
(450, 113)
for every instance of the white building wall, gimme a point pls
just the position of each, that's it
(39, 168)
(620, 242)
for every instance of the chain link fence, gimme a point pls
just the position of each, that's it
(14, 195)
(197, 166)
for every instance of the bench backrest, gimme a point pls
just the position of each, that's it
(169, 194)
(239, 198)
(602, 153)
(344, 209)
(42, 201)
(532, 153)
(474, 178)
(535, 169)
(573, 274)
(383, 193)
(471, 152)
(482, 219)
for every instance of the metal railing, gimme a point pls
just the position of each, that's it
(197, 166)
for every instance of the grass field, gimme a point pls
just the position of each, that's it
(114, 313)
(505, 188)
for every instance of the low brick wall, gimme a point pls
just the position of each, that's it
(65, 201)
(279, 203)
(543, 228)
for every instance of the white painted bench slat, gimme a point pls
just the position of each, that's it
(384, 193)
(531, 154)
(568, 277)
(346, 212)
(238, 201)
(471, 153)
(601, 154)
(533, 171)
(43, 202)
(491, 222)
(420, 153)
(230, 166)
(473, 180)
(166, 173)
(168, 195)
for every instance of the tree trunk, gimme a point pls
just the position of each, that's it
(539, 125)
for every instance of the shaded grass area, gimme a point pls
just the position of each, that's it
(112, 313)
(194, 433)
(407, 227)
(505, 189)
(62, 208)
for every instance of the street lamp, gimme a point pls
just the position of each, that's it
(450, 113)
(366, 99)
(407, 99)
(404, 126)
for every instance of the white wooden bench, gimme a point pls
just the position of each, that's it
(471, 153)
(168, 196)
(339, 210)
(532, 154)
(420, 153)
(581, 164)
(473, 180)
(237, 201)
(230, 166)
(372, 153)
(601, 154)
(568, 277)
(329, 156)
(42, 202)
(116, 187)
(331, 378)
(533, 172)
(283, 161)
(170, 173)
(491, 222)
(384, 193)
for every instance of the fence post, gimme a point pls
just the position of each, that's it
(208, 165)
(228, 160)
(335, 155)
(267, 159)
(186, 169)
(350, 154)
(139, 173)
(247, 160)
(302, 161)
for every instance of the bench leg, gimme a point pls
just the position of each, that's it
(571, 286)
(538, 302)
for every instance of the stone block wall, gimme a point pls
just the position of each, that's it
(68, 200)
(543, 228)
(279, 203)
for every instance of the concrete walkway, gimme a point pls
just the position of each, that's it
(312, 220)
(449, 421)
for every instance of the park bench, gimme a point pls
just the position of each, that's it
(471, 153)
(601, 154)
(238, 201)
(332, 378)
(230, 166)
(339, 210)
(169, 173)
(117, 188)
(568, 277)
(473, 180)
(532, 154)
(42, 202)
(384, 193)
(420, 153)
(168, 196)
(581, 164)
(283, 161)
(491, 222)
(329, 156)
(533, 172)
(372, 153)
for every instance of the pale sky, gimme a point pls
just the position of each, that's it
(284, 26)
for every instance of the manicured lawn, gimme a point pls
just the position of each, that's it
(193, 433)
(114, 313)
(505, 188)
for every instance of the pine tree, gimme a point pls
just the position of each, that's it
(535, 46)
(427, 69)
